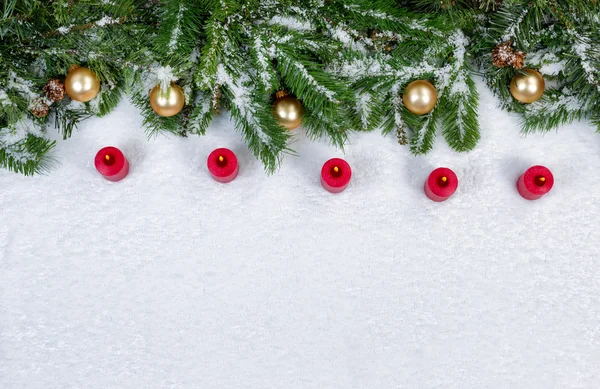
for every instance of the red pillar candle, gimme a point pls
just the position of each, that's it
(441, 184)
(111, 163)
(335, 175)
(223, 165)
(536, 182)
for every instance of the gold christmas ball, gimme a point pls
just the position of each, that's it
(288, 111)
(528, 87)
(82, 84)
(420, 97)
(169, 102)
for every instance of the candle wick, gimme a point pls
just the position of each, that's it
(221, 161)
(109, 160)
(443, 181)
(540, 180)
(336, 171)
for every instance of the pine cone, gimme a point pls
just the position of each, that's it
(39, 108)
(504, 55)
(518, 60)
(55, 90)
(401, 134)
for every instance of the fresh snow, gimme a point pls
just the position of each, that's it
(169, 279)
(292, 23)
(163, 75)
(175, 35)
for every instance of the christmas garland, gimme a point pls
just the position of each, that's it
(336, 66)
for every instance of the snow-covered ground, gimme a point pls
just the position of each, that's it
(169, 279)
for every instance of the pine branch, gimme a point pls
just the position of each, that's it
(68, 115)
(423, 130)
(201, 114)
(252, 115)
(28, 156)
(459, 100)
(554, 109)
(24, 149)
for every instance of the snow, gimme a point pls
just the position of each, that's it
(363, 107)
(292, 23)
(581, 49)
(164, 75)
(310, 80)
(175, 35)
(13, 136)
(515, 27)
(243, 102)
(105, 21)
(264, 56)
(553, 69)
(169, 279)
(64, 30)
(4, 99)
(24, 87)
(342, 34)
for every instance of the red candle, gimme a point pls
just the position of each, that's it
(441, 184)
(335, 175)
(111, 163)
(222, 164)
(536, 182)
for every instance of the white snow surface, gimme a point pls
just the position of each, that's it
(169, 279)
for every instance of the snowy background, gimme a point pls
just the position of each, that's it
(169, 279)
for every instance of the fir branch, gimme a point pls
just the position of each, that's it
(68, 115)
(263, 53)
(253, 117)
(24, 149)
(318, 126)
(392, 119)
(423, 130)
(35, 148)
(460, 125)
(459, 99)
(201, 114)
(554, 109)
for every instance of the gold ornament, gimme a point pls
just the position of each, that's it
(288, 110)
(529, 87)
(420, 97)
(81, 84)
(169, 102)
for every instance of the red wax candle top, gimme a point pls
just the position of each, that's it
(336, 173)
(109, 161)
(442, 182)
(222, 163)
(538, 180)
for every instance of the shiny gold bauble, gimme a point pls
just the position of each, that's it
(528, 87)
(169, 102)
(288, 111)
(420, 97)
(81, 84)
